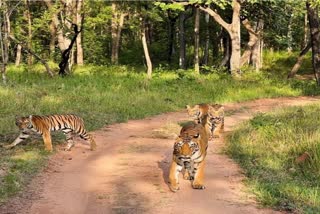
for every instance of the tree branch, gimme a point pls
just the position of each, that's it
(32, 53)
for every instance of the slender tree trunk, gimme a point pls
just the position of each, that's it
(235, 39)
(18, 55)
(206, 48)
(298, 63)
(289, 34)
(196, 40)
(226, 51)
(52, 45)
(116, 28)
(79, 58)
(29, 44)
(305, 32)
(182, 41)
(145, 49)
(171, 27)
(315, 39)
(4, 33)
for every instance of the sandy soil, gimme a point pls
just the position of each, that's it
(129, 171)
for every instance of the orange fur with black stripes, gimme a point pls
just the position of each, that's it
(190, 150)
(215, 120)
(69, 124)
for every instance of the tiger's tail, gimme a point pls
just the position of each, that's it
(89, 138)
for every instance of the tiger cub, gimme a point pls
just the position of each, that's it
(198, 112)
(189, 152)
(215, 119)
(69, 124)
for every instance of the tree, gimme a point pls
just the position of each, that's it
(196, 41)
(117, 21)
(314, 24)
(4, 38)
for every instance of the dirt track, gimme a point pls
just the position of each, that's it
(128, 173)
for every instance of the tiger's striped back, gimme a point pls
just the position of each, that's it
(69, 124)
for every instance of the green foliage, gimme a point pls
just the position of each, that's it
(267, 148)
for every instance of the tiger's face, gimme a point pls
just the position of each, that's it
(197, 112)
(187, 145)
(23, 122)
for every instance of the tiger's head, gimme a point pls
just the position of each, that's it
(197, 112)
(23, 123)
(215, 115)
(189, 143)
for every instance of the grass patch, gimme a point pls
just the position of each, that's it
(280, 153)
(106, 95)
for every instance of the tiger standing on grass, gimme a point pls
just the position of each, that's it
(189, 152)
(69, 124)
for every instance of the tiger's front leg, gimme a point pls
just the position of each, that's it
(199, 176)
(175, 169)
(23, 135)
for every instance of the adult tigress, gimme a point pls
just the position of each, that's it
(190, 150)
(69, 124)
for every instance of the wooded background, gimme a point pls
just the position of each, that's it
(195, 34)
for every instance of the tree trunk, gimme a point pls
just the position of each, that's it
(315, 39)
(171, 23)
(116, 28)
(206, 48)
(256, 56)
(234, 31)
(18, 55)
(52, 45)
(253, 39)
(182, 41)
(305, 32)
(196, 41)
(4, 33)
(79, 20)
(298, 63)
(29, 44)
(235, 40)
(289, 34)
(226, 44)
(145, 49)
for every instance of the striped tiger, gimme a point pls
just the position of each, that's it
(69, 124)
(189, 152)
(198, 112)
(215, 119)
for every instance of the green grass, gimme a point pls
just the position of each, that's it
(267, 148)
(106, 95)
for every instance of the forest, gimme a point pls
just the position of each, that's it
(113, 62)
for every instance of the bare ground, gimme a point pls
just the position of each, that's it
(128, 173)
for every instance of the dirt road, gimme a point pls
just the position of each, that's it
(128, 173)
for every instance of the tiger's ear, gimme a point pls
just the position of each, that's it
(188, 107)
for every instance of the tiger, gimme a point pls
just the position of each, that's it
(215, 120)
(198, 112)
(189, 152)
(69, 124)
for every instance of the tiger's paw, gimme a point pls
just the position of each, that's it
(174, 188)
(216, 136)
(7, 146)
(198, 186)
